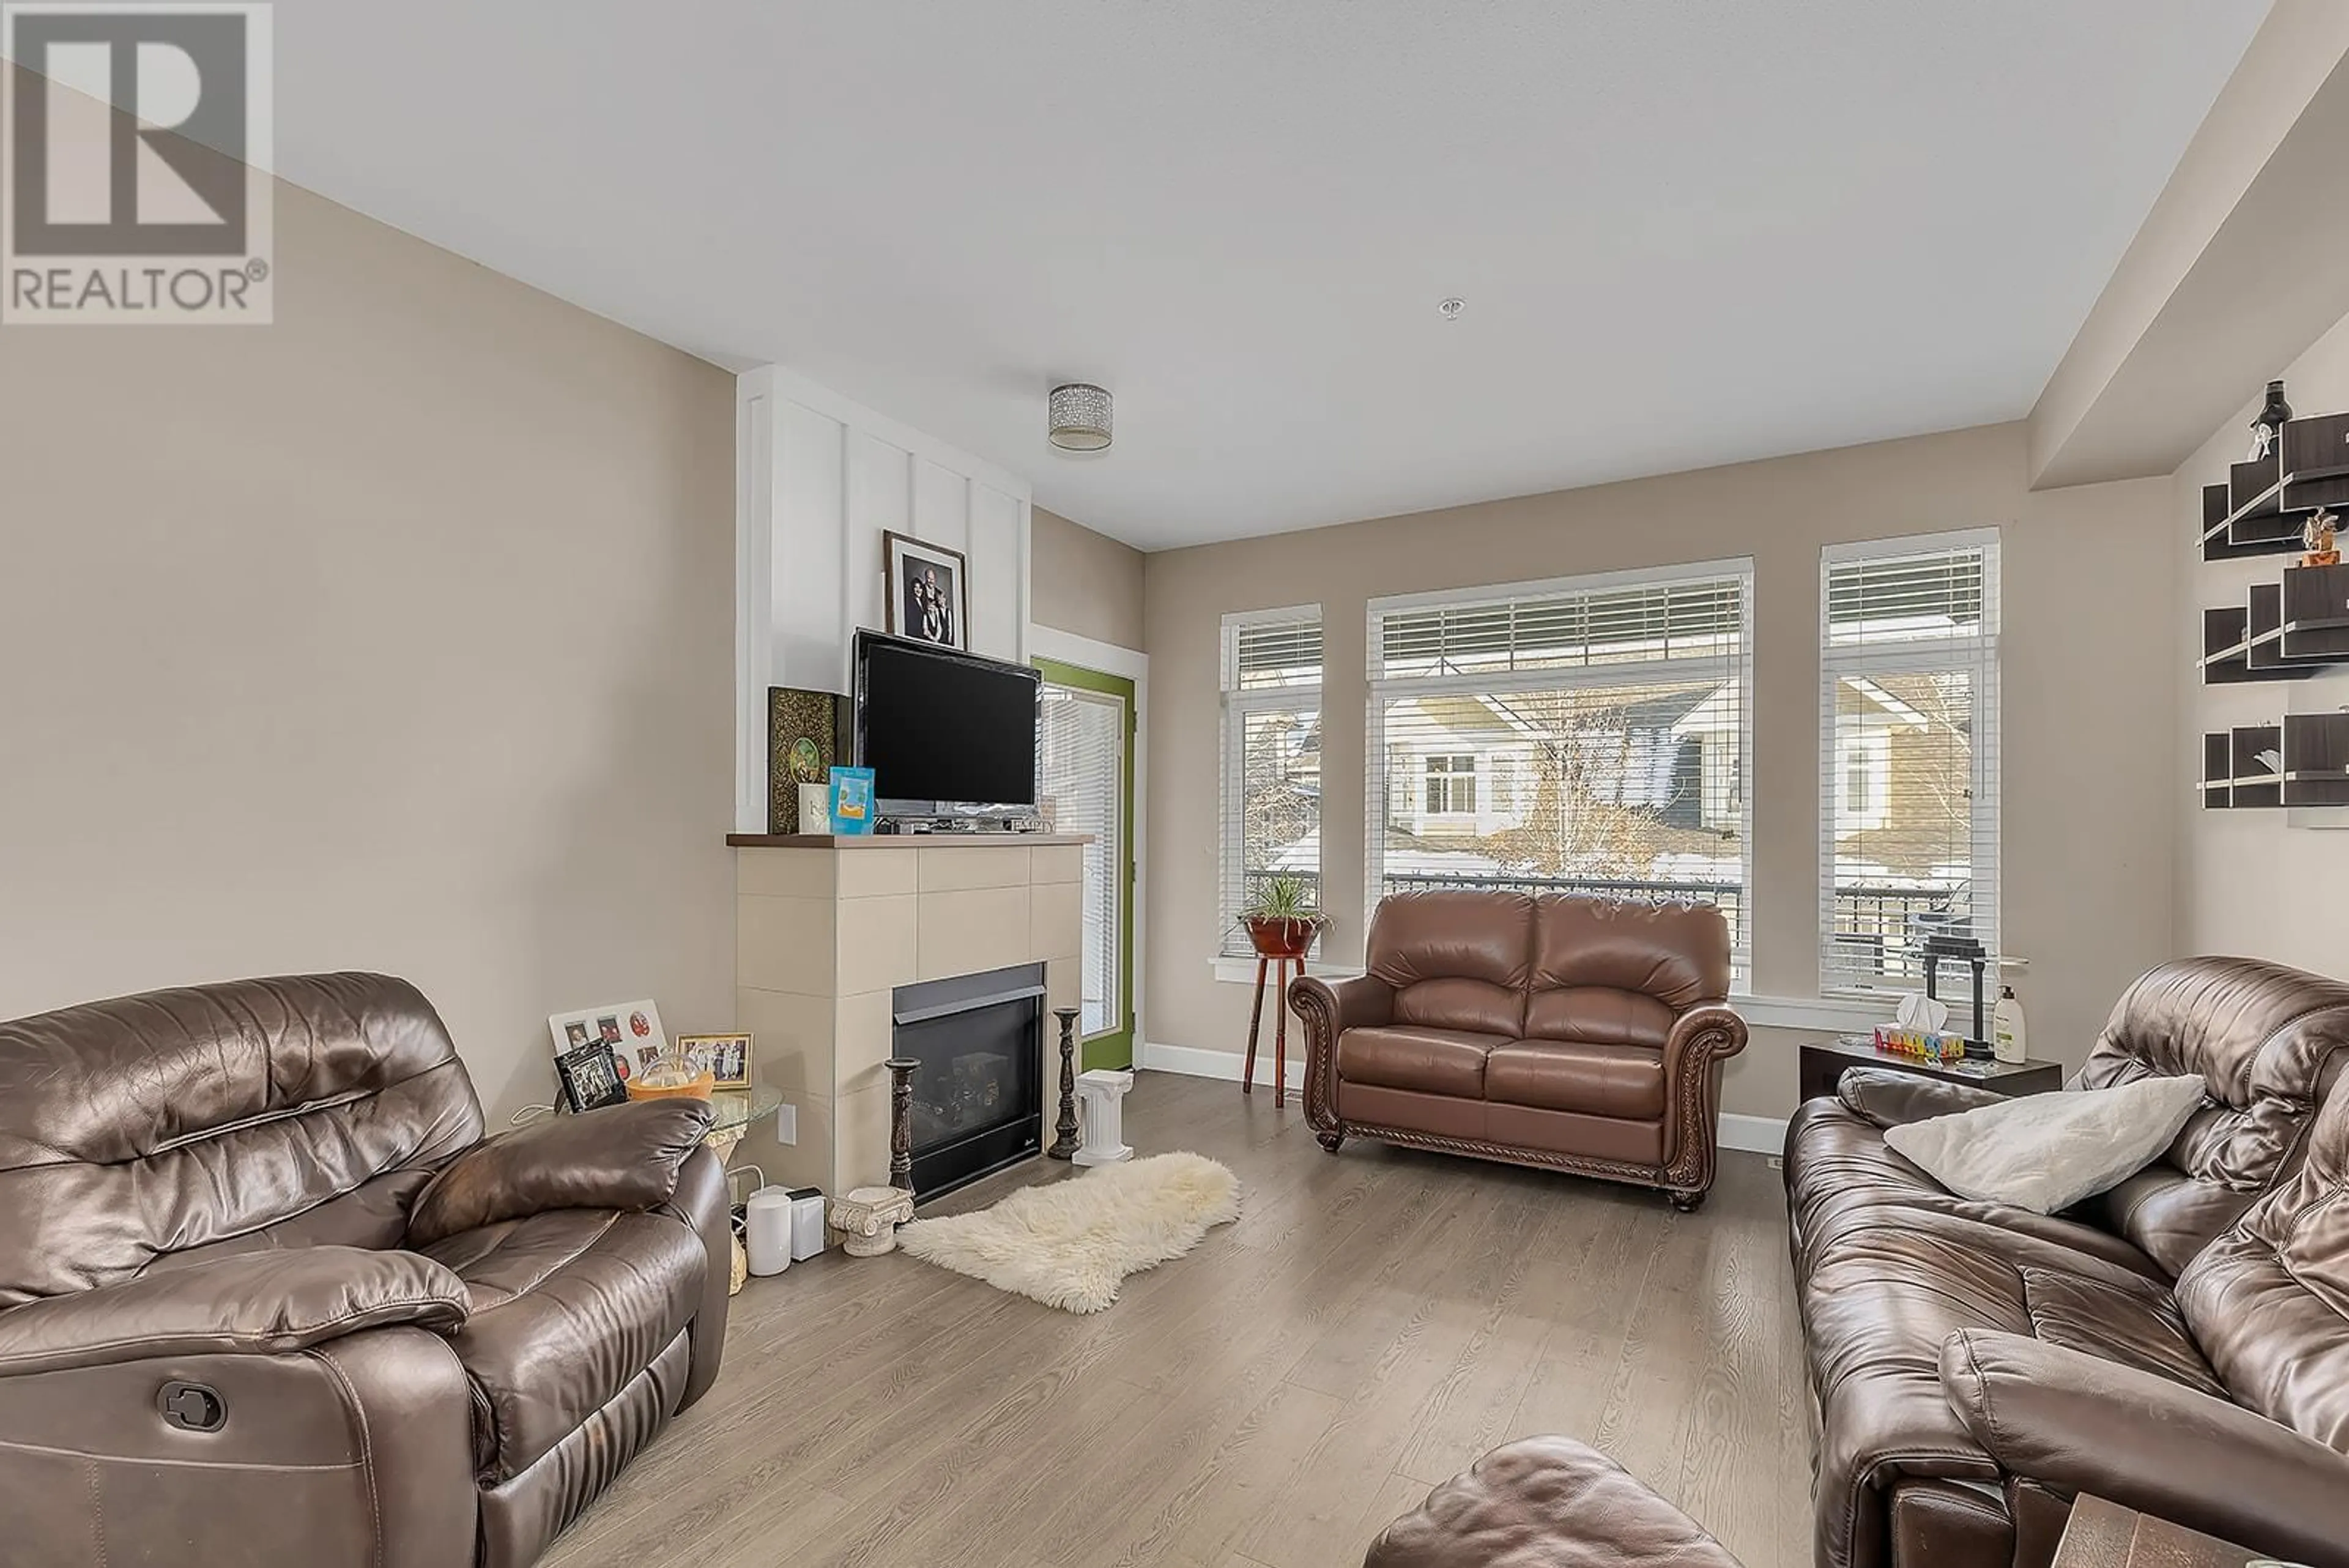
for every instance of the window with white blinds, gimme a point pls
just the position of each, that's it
(1589, 733)
(1909, 756)
(1271, 759)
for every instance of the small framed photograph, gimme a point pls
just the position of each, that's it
(851, 801)
(728, 1056)
(591, 1077)
(624, 1028)
(926, 590)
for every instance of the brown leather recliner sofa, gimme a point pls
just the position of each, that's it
(2179, 1344)
(266, 1296)
(1578, 1034)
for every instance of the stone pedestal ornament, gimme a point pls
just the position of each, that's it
(900, 1121)
(1064, 1144)
(868, 1216)
(1103, 1092)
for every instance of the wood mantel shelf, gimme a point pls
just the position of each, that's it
(898, 840)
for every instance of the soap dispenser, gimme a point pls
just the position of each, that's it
(2007, 1028)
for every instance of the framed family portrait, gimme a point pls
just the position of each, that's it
(591, 1077)
(928, 590)
(728, 1057)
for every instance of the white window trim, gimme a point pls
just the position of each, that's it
(1710, 783)
(1590, 582)
(1236, 704)
(1979, 653)
(1873, 750)
(1383, 689)
(1429, 773)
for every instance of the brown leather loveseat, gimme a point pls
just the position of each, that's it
(267, 1296)
(2179, 1344)
(1578, 1034)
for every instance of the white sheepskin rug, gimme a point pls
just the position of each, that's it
(1070, 1244)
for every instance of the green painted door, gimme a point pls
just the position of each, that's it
(1084, 746)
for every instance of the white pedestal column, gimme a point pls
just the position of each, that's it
(1100, 1096)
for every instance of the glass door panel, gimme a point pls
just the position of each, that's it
(1085, 760)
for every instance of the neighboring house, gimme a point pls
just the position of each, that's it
(1458, 768)
(1498, 784)
(1467, 767)
(1903, 783)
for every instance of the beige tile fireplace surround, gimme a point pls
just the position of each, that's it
(826, 929)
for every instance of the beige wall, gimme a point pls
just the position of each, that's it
(2089, 795)
(1082, 582)
(2246, 883)
(396, 635)
(2198, 305)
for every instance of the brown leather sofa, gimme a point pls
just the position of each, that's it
(2179, 1344)
(1577, 1034)
(267, 1296)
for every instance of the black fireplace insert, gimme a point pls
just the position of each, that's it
(978, 1101)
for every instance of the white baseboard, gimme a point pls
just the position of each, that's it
(1752, 1134)
(1192, 1062)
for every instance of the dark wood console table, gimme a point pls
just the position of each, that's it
(2106, 1535)
(1823, 1062)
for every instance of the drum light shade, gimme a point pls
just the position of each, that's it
(1080, 417)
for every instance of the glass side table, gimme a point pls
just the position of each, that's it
(732, 1112)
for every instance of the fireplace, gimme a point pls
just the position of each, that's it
(978, 1101)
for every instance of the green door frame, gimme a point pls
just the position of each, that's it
(1112, 1047)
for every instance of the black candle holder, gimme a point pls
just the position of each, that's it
(1064, 1144)
(901, 1121)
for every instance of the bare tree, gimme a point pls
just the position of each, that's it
(1591, 752)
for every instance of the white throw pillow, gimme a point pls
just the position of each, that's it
(2046, 1152)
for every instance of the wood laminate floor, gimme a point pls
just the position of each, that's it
(1372, 1323)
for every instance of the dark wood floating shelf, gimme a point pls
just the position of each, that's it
(2290, 629)
(2314, 464)
(2259, 509)
(2310, 766)
(2299, 626)
(2228, 647)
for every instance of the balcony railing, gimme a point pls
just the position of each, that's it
(1728, 896)
(1881, 932)
(1878, 931)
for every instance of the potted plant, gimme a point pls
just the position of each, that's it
(1283, 922)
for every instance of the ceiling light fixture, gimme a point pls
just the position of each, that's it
(1451, 307)
(1079, 413)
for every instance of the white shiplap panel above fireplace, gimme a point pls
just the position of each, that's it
(820, 479)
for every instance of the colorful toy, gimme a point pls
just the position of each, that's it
(1919, 1045)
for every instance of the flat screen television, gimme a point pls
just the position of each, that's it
(946, 734)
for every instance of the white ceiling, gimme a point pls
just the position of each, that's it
(1688, 232)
